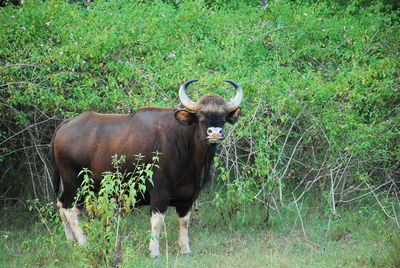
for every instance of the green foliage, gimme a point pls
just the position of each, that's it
(44, 244)
(117, 196)
(321, 83)
(45, 211)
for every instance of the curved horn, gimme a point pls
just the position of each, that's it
(186, 101)
(235, 102)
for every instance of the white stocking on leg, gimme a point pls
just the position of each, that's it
(64, 219)
(157, 223)
(74, 217)
(183, 234)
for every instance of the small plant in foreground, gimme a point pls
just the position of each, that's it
(118, 195)
(47, 215)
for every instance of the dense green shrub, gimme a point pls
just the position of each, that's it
(106, 226)
(321, 82)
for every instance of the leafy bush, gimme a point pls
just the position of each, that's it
(117, 196)
(321, 83)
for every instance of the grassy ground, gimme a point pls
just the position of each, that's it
(355, 239)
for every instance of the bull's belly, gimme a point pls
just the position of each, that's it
(183, 195)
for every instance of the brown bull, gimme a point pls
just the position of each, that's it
(187, 142)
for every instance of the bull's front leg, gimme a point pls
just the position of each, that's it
(159, 203)
(157, 223)
(184, 219)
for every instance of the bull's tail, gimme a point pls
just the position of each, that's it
(56, 179)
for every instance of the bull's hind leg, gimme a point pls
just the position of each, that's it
(70, 219)
(184, 218)
(67, 227)
(69, 212)
(74, 215)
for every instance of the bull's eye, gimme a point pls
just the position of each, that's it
(201, 117)
(209, 131)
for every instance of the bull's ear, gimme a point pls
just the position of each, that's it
(233, 116)
(185, 118)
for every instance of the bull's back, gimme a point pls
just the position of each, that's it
(91, 139)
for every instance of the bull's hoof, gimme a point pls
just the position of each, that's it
(186, 253)
(154, 255)
(82, 241)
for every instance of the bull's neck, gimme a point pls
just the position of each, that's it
(204, 151)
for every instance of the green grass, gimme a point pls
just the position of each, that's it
(243, 240)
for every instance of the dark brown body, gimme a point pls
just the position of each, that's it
(184, 139)
(89, 141)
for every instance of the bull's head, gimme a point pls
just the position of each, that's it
(211, 112)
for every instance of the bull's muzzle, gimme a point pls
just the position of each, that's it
(215, 134)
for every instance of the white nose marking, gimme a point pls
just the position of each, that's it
(214, 132)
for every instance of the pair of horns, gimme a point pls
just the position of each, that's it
(192, 106)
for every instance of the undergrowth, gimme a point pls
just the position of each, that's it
(282, 240)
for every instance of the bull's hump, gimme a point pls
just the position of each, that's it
(155, 110)
(154, 115)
